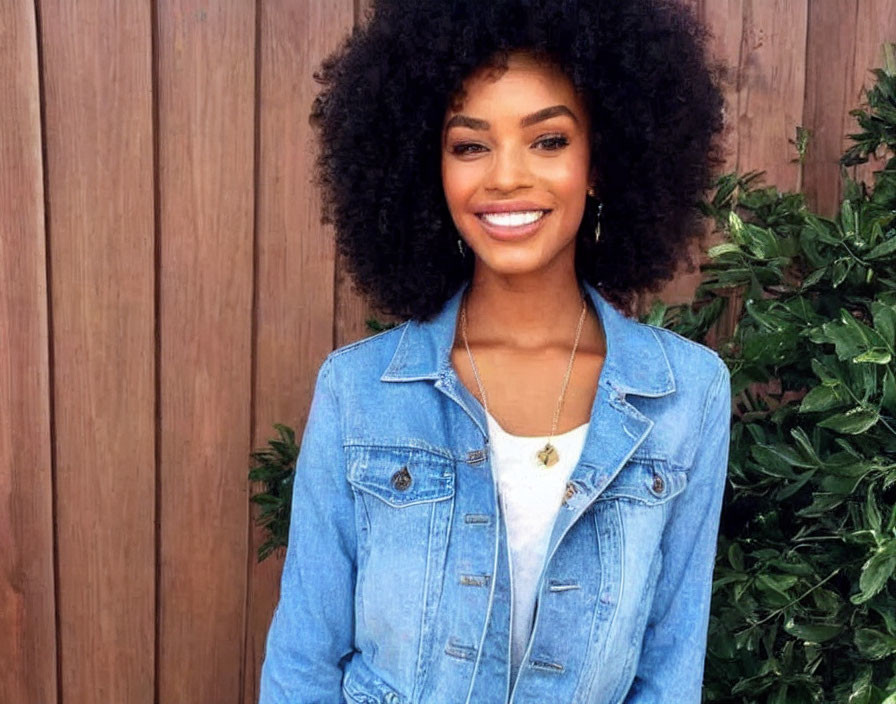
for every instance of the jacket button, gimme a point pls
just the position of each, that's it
(658, 484)
(401, 480)
(570, 491)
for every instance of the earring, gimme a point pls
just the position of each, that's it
(460, 247)
(600, 207)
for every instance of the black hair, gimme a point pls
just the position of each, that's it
(655, 111)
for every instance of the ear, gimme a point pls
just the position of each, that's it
(594, 181)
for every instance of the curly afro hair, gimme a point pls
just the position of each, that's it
(655, 111)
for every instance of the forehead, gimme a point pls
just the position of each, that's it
(525, 85)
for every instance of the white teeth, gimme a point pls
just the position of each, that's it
(513, 219)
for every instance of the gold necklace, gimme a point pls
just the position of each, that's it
(547, 455)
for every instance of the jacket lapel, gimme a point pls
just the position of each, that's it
(635, 364)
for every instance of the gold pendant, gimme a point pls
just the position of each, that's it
(547, 455)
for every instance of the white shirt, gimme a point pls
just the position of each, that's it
(530, 496)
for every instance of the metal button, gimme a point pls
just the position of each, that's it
(401, 480)
(658, 484)
(570, 491)
(475, 456)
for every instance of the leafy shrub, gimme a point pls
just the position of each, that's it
(803, 601)
(274, 467)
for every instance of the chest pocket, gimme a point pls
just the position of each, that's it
(403, 512)
(645, 481)
(400, 476)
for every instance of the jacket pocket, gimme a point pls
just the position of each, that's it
(360, 685)
(404, 502)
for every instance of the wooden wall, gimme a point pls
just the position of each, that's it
(168, 293)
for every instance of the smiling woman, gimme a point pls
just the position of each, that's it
(513, 495)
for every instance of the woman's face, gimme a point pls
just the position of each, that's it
(515, 167)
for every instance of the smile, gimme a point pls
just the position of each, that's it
(513, 219)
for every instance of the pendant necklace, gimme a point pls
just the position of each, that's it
(547, 455)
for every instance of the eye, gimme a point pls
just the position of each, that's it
(465, 148)
(553, 142)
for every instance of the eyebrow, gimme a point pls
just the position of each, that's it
(475, 123)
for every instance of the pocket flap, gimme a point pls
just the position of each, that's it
(646, 481)
(400, 476)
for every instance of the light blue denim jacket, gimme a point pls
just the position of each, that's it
(396, 585)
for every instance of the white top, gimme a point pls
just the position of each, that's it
(531, 496)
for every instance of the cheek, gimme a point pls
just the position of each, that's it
(458, 184)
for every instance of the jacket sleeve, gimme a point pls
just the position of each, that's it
(670, 668)
(312, 631)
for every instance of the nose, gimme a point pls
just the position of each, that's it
(509, 170)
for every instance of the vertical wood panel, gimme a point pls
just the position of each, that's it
(206, 74)
(27, 601)
(295, 278)
(829, 71)
(771, 88)
(99, 167)
(724, 18)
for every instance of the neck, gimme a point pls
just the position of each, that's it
(527, 313)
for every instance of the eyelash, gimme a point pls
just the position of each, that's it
(559, 140)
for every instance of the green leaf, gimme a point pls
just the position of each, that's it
(883, 249)
(657, 313)
(884, 316)
(813, 632)
(876, 572)
(780, 695)
(821, 398)
(876, 355)
(736, 556)
(872, 514)
(736, 227)
(874, 644)
(856, 420)
(813, 278)
(888, 400)
(861, 687)
(724, 248)
(847, 218)
(779, 583)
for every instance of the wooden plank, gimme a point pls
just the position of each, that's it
(206, 82)
(27, 600)
(829, 72)
(772, 73)
(295, 285)
(724, 18)
(875, 24)
(98, 88)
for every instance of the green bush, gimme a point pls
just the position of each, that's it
(803, 602)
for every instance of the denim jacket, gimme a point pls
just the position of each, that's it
(396, 584)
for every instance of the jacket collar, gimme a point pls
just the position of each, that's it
(636, 362)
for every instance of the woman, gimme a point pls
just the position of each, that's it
(514, 494)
